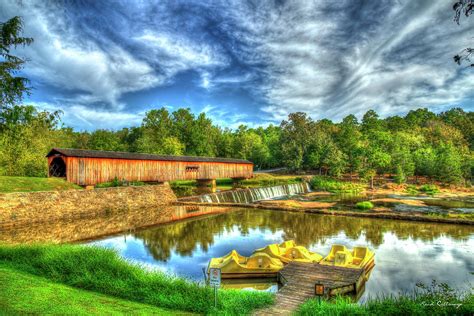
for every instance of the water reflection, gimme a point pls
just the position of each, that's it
(406, 252)
(106, 223)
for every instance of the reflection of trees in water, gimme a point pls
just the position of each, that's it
(306, 229)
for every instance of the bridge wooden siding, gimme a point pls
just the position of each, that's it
(89, 167)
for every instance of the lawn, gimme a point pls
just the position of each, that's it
(103, 271)
(27, 184)
(22, 293)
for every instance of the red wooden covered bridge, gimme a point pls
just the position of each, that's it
(90, 167)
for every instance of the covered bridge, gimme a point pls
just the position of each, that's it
(90, 167)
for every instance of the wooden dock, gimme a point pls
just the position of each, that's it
(298, 280)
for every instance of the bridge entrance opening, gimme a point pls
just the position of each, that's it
(57, 168)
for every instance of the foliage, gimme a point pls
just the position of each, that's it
(12, 87)
(437, 299)
(364, 205)
(37, 294)
(429, 188)
(101, 270)
(466, 8)
(335, 186)
(26, 184)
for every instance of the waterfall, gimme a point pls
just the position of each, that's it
(255, 194)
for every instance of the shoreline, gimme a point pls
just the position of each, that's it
(385, 215)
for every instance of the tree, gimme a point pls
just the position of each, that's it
(25, 138)
(349, 140)
(449, 165)
(466, 8)
(103, 139)
(12, 87)
(296, 135)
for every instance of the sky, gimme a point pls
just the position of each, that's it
(105, 63)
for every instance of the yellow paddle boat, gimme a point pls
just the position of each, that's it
(358, 258)
(258, 265)
(288, 251)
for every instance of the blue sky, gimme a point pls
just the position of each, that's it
(104, 64)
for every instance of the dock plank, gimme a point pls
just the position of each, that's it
(298, 281)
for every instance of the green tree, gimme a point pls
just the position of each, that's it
(102, 139)
(12, 87)
(349, 139)
(295, 139)
(449, 165)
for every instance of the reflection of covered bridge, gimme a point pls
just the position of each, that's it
(89, 167)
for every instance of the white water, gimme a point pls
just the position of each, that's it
(255, 194)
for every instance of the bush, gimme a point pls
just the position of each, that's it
(429, 189)
(101, 270)
(335, 186)
(365, 205)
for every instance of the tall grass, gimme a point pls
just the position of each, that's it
(335, 186)
(101, 270)
(437, 299)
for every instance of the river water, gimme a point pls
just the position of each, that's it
(406, 252)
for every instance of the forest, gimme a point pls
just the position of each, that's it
(421, 143)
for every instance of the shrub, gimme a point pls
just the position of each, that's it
(365, 205)
(335, 186)
(429, 189)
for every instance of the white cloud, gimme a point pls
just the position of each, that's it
(62, 58)
(92, 118)
(320, 61)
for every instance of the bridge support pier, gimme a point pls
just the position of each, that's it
(207, 183)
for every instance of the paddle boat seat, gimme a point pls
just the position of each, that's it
(358, 258)
(234, 265)
(288, 251)
(330, 258)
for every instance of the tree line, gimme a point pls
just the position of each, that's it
(421, 143)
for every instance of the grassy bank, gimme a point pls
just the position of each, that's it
(27, 184)
(102, 271)
(335, 186)
(438, 299)
(22, 293)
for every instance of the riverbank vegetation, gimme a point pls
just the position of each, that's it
(28, 184)
(437, 299)
(102, 271)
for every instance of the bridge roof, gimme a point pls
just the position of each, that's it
(82, 153)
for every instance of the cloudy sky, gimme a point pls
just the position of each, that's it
(104, 64)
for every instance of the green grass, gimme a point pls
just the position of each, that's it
(438, 299)
(27, 184)
(335, 186)
(103, 271)
(365, 205)
(22, 293)
(430, 189)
